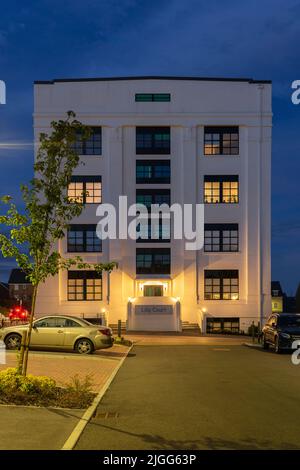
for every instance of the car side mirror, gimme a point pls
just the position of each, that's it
(34, 326)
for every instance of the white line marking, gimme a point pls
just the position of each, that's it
(84, 420)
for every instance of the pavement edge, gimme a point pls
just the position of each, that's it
(85, 419)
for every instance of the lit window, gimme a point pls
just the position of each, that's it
(221, 285)
(84, 285)
(221, 189)
(85, 189)
(221, 140)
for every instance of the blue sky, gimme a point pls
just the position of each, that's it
(45, 39)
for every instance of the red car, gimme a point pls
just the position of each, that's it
(18, 313)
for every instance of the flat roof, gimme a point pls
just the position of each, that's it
(149, 77)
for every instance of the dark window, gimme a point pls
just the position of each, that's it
(153, 291)
(83, 238)
(221, 140)
(160, 230)
(221, 237)
(85, 189)
(153, 171)
(90, 146)
(84, 285)
(221, 189)
(222, 325)
(153, 140)
(153, 261)
(152, 97)
(221, 285)
(153, 196)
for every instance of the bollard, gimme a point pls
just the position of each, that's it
(253, 332)
(119, 328)
(259, 332)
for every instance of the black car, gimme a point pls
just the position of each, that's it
(281, 330)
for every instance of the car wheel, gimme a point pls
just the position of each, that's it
(13, 341)
(84, 346)
(265, 345)
(277, 347)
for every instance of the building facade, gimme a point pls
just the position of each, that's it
(168, 140)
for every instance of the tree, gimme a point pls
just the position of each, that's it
(298, 299)
(33, 235)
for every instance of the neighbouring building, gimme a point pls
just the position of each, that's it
(4, 294)
(20, 289)
(277, 297)
(160, 140)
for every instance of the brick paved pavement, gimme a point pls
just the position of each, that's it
(61, 366)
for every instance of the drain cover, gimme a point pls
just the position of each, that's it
(108, 415)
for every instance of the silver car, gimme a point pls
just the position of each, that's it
(60, 332)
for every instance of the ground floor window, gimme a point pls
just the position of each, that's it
(153, 291)
(222, 325)
(84, 285)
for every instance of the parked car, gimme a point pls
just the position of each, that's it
(280, 331)
(60, 332)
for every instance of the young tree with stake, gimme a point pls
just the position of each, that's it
(33, 235)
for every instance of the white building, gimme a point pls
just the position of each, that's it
(161, 139)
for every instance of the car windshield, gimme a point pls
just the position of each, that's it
(291, 321)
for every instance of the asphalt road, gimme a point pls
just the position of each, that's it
(199, 397)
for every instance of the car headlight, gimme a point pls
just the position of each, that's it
(285, 335)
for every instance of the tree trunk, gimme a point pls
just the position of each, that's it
(27, 344)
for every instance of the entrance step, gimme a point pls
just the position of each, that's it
(190, 328)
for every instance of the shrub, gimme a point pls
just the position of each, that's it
(43, 391)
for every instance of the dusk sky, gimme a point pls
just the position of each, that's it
(41, 40)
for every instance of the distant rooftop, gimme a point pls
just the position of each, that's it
(17, 276)
(149, 77)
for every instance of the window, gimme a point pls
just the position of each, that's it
(46, 323)
(84, 285)
(85, 189)
(68, 323)
(153, 171)
(222, 325)
(161, 227)
(221, 140)
(83, 238)
(221, 189)
(153, 260)
(153, 196)
(90, 146)
(153, 140)
(153, 291)
(221, 285)
(152, 97)
(221, 237)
